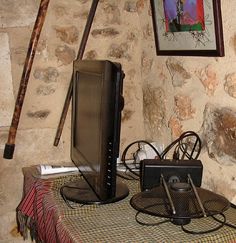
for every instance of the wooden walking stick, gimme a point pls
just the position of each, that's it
(10, 145)
(79, 57)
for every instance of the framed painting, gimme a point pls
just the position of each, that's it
(188, 27)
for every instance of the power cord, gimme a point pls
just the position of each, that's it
(188, 145)
(64, 197)
(149, 224)
(225, 223)
(133, 174)
(187, 141)
(222, 223)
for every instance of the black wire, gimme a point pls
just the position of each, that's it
(149, 224)
(206, 231)
(198, 141)
(181, 145)
(233, 205)
(123, 157)
(64, 197)
(168, 148)
(227, 224)
(222, 223)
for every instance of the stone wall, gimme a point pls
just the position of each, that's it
(194, 93)
(164, 96)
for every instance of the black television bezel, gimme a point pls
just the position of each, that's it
(105, 188)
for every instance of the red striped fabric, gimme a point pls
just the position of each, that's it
(38, 205)
(32, 206)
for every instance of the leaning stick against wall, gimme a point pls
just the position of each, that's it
(79, 57)
(10, 145)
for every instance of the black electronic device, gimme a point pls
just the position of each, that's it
(97, 103)
(172, 170)
(171, 189)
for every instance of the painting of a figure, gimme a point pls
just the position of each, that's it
(184, 15)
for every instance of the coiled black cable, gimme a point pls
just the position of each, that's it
(222, 223)
(182, 145)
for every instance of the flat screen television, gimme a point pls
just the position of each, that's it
(97, 103)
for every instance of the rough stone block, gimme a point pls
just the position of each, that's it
(48, 74)
(230, 84)
(177, 71)
(113, 13)
(68, 34)
(183, 107)
(65, 54)
(209, 79)
(219, 133)
(154, 110)
(175, 126)
(130, 6)
(119, 51)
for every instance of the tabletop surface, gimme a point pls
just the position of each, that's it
(113, 222)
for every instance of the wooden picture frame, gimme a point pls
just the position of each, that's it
(188, 27)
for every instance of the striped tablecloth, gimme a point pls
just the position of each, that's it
(48, 218)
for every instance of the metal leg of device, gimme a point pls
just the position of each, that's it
(196, 195)
(168, 194)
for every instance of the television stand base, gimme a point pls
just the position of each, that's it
(80, 192)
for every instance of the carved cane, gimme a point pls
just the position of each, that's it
(79, 57)
(10, 145)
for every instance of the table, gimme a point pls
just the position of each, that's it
(47, 218)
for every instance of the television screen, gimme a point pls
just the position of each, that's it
(97, 103)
